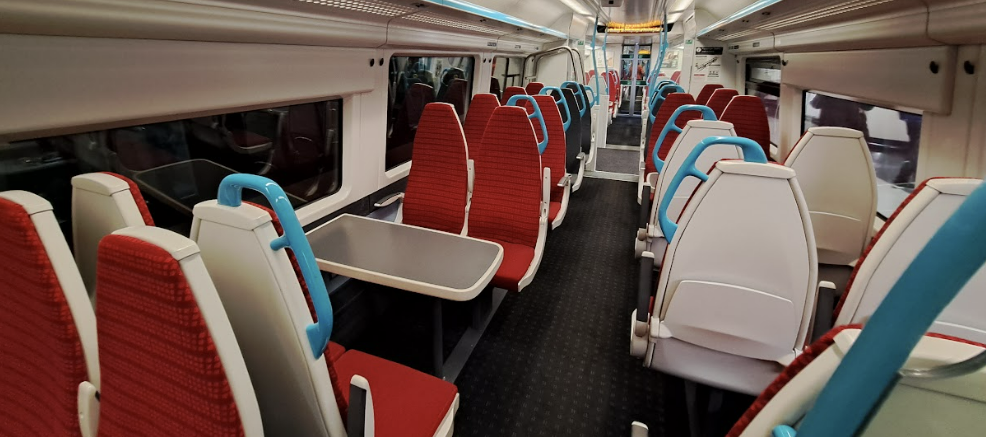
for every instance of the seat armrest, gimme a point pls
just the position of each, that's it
(360, 418)
(645, 206)
(88, 409)
(565, 180)
(638, 429)
(471, 168)
(824, 308)
(545, 191)
(389, 200)
(652, 179)
(581, 156)
(644, 290)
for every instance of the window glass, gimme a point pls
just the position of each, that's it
(892, 136)
(180, 163)
(507, 71)
(763, 79)
(416, 81)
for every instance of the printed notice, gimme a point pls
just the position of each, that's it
(708, 63)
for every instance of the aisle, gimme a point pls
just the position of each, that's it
(555, 359)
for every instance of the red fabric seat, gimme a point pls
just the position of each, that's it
(553, 209)
(706, 93)
(457, 95)
(480, 111)
(533, 88)
(517, 259)
(506, 200)
(511, 91)
(145, 301)
(749, 118)
(675, 76)
(406, 403)
(720, 99)
(438, 184)
(138, 198)
(671, 104)
(41, 356)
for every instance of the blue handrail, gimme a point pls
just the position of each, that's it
(231, 194)
(870, 369)
(654, 90)
(707, 114)
(537, 114)
(752, 152)
(581, 100)
(660, 97)
(564, 103)
(595, 64)
(595, 98)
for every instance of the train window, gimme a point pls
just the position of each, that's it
(177, 164)
(416, 81)
(892, 135)
(507, 71)
(763, 79)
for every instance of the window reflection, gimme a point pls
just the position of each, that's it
(893, 138)
(180, 163)
(415, 82)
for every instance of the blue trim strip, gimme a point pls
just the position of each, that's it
(231, 194)
(605, 61)
(496, 15)
(660, 97)
(755, 7)
(707, 114)
(537, 114)
(869, 371)
(595, 64)
(752, 152)
(577, 90)
(564, 103)
(595, 99)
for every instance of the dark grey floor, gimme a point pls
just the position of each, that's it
(625, 131)
(617, 161)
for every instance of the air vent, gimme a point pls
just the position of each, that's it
(726, 36)
(432, 18)
(366, 6)
(836, 9)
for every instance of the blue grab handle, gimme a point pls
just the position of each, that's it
(592, 99)
(752, 152)
(561, 99)
(707, 114)
(577, 90)
(537, 114)
(660, 97)
(655, 89)
(870, 369)
(231, 194)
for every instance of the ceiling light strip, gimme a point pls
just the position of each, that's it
(495, 15)
(755, 7)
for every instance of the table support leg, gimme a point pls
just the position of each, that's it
(438, 360)
(481, 308)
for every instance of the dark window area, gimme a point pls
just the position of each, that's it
(415, 82)
(893, 137)
(507, 71)
(763, 79)
(178, 164)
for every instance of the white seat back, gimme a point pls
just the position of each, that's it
(255, 284)
(906, 233)
(693, 132)
(739, 275)
(919, 407)
(101, 204)
(836, 174)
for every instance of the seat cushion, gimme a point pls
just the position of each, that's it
(406, 402)
(553, 209)
(517, 260)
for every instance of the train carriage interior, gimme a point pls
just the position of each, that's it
(403, 218)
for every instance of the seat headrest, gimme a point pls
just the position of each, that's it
(478, 116)
(533, 88)
(749, 117)
(720, 99)
(706, 93)
(510, 131)
(511, 91)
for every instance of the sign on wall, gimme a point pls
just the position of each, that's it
(708, 64)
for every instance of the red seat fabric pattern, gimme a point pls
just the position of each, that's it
(406, 402)
(174, 384)
(720, 99)
(554, 154)
(553, 209)
(706, 93)
(138, 198)
(512, 91)
(675, 76)
(533, 88)
(457, 95)
(673, 101)
(506, 201)
(480, 111)
(438, 184)
(749, 119)
(41, 357)
(517, 260)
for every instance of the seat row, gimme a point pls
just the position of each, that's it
(222, 333)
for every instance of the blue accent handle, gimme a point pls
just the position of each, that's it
(577, 90)
(564, 103)
(707, 114)
(537, 114)
(594, 99)
(231, 194)
(870, 368)
(656, 89)
(752, 152)
(783, 431)
(660, 97)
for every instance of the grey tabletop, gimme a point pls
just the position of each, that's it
(415, 259)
